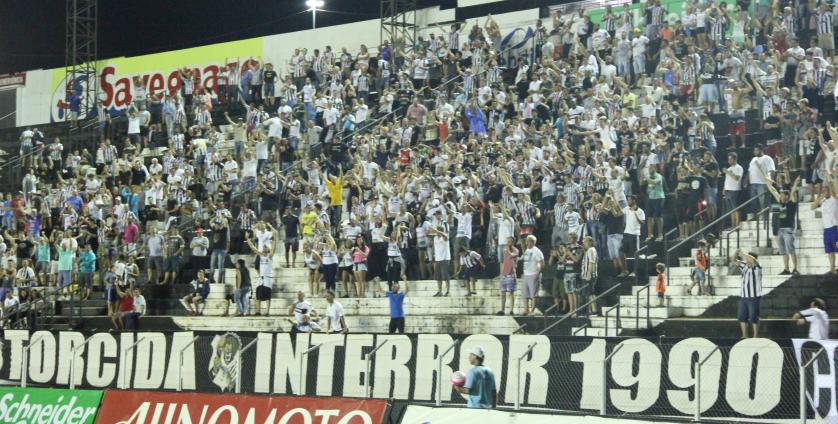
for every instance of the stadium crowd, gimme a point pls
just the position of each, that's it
(451, 158)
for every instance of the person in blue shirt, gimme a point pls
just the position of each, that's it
(396, 307)
(87, 266)
(480, 383)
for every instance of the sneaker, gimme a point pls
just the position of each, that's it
(473, 293)
(438, 294)
(660, 238)
(500, 313)
(445, 295)
(795, 273)
(785, 272)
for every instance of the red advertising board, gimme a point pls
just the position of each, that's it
(138, 407)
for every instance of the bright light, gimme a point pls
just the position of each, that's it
(315, 4)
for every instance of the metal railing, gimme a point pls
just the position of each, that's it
(647, 288)
(583, 329)
(605, 315)
(580, 308)
(706, 228)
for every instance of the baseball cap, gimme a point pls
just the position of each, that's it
(478, 352)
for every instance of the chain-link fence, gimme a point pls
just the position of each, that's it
(752, 378)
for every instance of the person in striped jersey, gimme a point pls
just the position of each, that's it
(750, 292)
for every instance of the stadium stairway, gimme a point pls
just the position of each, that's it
(686, 309)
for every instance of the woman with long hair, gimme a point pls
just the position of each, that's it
(312, 262)
(345, 267)
(395, 262)
(359, 265)
(328, 253)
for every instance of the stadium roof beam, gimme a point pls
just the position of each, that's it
(398, 23)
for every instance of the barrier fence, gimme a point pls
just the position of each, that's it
(747, 379)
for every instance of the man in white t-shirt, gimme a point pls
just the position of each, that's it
(506, 229)
(761, 166)
(442, 252)
(829, 215)
(817, 318)
(733, 187)
(533, 264)
(335, 321)
(634, 219)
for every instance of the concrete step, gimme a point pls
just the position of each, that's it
(368, 306)
(596, 332)
(453, 324)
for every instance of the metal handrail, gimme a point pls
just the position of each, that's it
(605, 314)
(24, 363)
(725, 252)
(239, 363)
(648, 289)
(73, 363)
(570, 314)
(802, 371)
(125, 375)
(439, 371)
(180, 363)
(701, 231)
(368, 375)
(518, 376)
(637, 262)
(583, 328)
(520, 328)
(697, 415)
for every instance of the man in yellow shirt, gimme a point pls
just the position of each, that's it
(334, 185)
(308, 220)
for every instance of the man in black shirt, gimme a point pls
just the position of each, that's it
(612, 216)
(787, 217)
(269, 77)
(291, 225)
(219, 244)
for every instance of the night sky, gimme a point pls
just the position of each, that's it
(32, 31)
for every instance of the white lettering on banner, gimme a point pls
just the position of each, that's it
(288, 360)
(682, 374)
(391, 372)
(67, 341)
(326, 360)
(532, 367)
(42, 357)
(16, 338)
(428, 349)
(824, 406)
(354, 365)
(591, 359)
(100, 346)
(492, 348)
(264, 363)
(151, 361)
(769, 370)
(647, 380)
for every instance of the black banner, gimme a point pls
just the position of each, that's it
(752, 378)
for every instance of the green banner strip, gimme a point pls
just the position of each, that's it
(53, 406)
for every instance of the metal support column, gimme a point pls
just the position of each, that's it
(398, 23)
(80, 60)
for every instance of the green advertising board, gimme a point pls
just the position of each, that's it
(48, 406)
